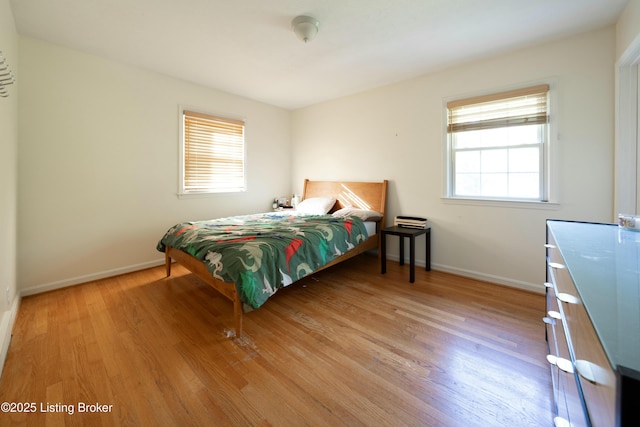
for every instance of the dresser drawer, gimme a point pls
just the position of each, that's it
(596, 377)
(570, 405)
(556, 338)
(553, 253)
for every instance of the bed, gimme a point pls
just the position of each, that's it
(248, 258)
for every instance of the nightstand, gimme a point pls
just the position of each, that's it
(411, 233)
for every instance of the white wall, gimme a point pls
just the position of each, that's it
(396, 133)
(628, 27)
(627, 154)
(8, 181)
(98, 164)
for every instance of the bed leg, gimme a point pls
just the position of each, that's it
(167, 263)
(237, 314)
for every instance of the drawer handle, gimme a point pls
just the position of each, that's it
(568, 298)
(554, 315)
(549, 246)
(591, 372)
(548, 285)
(564, 364)
(557, 265)
(549, 321)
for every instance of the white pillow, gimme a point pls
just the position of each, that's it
(316, 205)
(363, 214)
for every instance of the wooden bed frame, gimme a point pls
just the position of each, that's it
(363, 195)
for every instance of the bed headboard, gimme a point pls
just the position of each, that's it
(362, 195)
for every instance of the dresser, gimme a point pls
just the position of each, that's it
(593, 323)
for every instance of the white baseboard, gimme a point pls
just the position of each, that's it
(499, 280)
(537, 288)
(89, 278)
(6, 327)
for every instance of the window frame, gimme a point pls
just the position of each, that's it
(548, 155)
(182, 191)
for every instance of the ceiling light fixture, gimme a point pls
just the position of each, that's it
(305, 27)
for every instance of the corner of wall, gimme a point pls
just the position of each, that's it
(6, 328)
(8, 184)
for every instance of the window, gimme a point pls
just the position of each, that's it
(497, 146)
(213, 154)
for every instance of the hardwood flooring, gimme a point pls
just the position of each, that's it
(347, 346)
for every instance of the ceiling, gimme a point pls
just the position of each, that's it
(247, 47)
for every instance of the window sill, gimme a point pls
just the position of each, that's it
(208, 194)
(523, 204)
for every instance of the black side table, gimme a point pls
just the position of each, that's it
(411, 233)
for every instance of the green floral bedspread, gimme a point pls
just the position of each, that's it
(262, 253)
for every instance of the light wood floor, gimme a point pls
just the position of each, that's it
(346, 347)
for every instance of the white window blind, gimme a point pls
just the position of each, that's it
(497, 145)
(213, 154)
